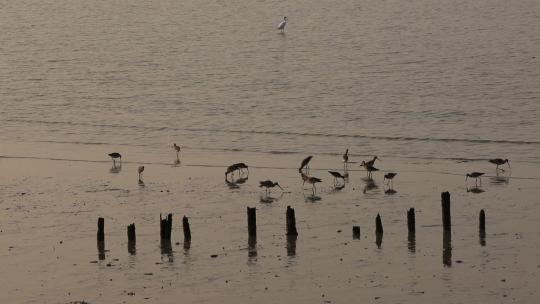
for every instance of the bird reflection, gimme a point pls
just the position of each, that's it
(475, 190)
(116, 168)
(338, 188)
(241, 180)
(231, 184)
(390, 191)
(176, 162)
(312, 198)
(267, 199)
(370, 184)
(500, 179)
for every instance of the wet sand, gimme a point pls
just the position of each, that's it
(50, 209)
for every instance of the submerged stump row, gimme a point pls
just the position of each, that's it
(292, 233)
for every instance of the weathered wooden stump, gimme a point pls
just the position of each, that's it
(411, 221)
(482, 221)
(165, 227)
(482, 228)
(101, 230)
(291, 222)
(378, 231)
(101, 239)
(446, 217)
(187, 230)
(252, 222)
(378, 224)
(356, 232)
(131, 238)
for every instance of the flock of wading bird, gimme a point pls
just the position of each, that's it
(369, 166)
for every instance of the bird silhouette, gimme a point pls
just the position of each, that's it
(499, 162)
(305, 163)
(114, 156)
(475, 175)
(269, 184)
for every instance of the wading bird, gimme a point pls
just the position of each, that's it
(475, 175)
(141, 169)
(305, 163)
(370, 163)
(390, 177)
(177, 149)
(312, 181)
(499, 162)
(337, 175)
(346, 158)
(282, 24)
(114, 156)
(269, 184)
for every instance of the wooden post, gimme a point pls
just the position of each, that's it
(356, 232)
(165, 227)
(131, 233)
(131, 238)
(482, 228)
(411, 221)
(482, 225)
(187, 230)
(252, 222)
(101, 239)
(378, 231)
(101, 230)
(446, 218)
(378, 224)
(291, 222)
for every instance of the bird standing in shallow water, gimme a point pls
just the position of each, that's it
(390, 177)
(476, 176)
(346, 158)
(177, 149)
(499, 162)
(269, 184)
(370, 163)
(282, 24)
(141, 169)
(337, 175)
(311, 180)
(114, 156)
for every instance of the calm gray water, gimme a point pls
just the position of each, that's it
(419, 78)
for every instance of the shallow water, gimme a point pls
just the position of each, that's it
(50, 209)
(416, 79)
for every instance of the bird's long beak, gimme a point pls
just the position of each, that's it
(279, 186)
(508, 162)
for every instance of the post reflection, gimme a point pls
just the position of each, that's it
(166, 250)
(378, 239)
(101, 250)
(252, 249)
(411, 241)
(291, 245)
(447, 248)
